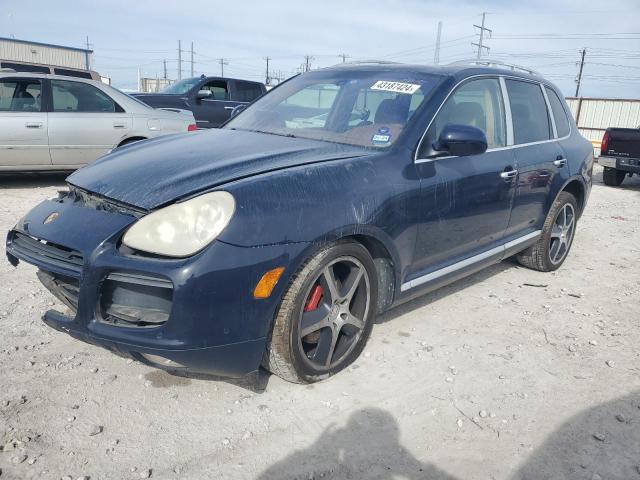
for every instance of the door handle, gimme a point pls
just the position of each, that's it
(229, 108)
(119, 125)
(509, 174)
(560, 162)
(33, 125)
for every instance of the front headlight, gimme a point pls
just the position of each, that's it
(182, 229)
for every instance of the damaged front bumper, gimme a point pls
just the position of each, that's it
(196, 313)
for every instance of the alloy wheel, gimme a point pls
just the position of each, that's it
(562, 234)
(333, 315)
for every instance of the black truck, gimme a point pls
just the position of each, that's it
(211, 99)
(620, 154)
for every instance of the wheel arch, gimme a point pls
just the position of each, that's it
(575, 186)
(133, 138)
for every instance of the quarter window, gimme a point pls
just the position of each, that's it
(20, 95)
(80, 97)
(477, 103)
(529, 112)
(559, 113)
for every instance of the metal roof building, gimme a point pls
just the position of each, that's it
(45, 53)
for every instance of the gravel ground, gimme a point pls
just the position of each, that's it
(508, 374)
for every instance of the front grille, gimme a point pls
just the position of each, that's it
(26, 247)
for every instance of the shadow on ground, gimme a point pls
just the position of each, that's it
(33, 180)
(601, 442)
(632, 184)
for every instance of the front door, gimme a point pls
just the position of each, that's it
(23, 123)
(84, 123)
(216, 109)
(465, 201)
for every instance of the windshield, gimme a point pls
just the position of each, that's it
(363, 108)
(183, 86)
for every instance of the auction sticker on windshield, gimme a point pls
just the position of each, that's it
(396, 87)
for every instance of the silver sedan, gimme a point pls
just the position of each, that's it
(52, 122)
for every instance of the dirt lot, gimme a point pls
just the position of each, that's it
(509, 374)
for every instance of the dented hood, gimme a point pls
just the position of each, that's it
(155, 172)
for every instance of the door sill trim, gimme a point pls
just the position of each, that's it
(468, 261)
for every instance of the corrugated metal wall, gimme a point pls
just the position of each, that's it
(594, 115)
(48, 55)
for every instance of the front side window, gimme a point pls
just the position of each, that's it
(479, 104)
(71, 96)
(529, 112)
(181, 87)
(20, 95)
(362, 108)
(559, 113)
(218, 89)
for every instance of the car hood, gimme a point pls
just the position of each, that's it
(155, 172)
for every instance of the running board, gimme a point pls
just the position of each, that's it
(469, 261)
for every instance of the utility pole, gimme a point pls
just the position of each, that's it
(179, 60)
(86, 55)
(222, 64)
(436, 55)
(267, 79)
(192, 59)
(481, 44)
(307, 63)
(344, 57)
(579, 79)
(164, 64)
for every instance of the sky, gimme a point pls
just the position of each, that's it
(544, 35)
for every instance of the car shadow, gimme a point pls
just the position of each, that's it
(600, 442)
(443, 292)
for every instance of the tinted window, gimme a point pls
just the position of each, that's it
(247, 91)
(20, 95)
(478, 104)
(559, 113)
(218, 88)
(80, 97)
(529, 112)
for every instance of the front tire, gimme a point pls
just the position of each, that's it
(326, 315)
(613, 177)
(552, 248)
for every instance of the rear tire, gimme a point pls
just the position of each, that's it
(613, 177)
(333, 298)
(552, 248)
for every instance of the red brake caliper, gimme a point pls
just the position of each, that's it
(314, 299)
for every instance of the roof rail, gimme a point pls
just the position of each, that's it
(496, 64)
(7, 70)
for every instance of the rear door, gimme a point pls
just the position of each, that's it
(540, 160)
(23, 123)
(84, 123)
(215, 110)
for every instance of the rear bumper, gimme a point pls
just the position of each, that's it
(631, 165)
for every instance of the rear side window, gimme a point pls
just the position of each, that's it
(20, 95)
(477, 104)
(529, 112)
(80, 97)
(559, 113)
(247, 91)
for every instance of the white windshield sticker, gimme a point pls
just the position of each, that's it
(396, 87)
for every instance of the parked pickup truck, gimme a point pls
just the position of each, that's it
(620, 154)
(211, 99)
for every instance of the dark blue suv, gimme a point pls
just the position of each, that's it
(276, 239)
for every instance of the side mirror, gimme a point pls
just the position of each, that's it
(460, 141)
(203, 94)
(237, 109)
